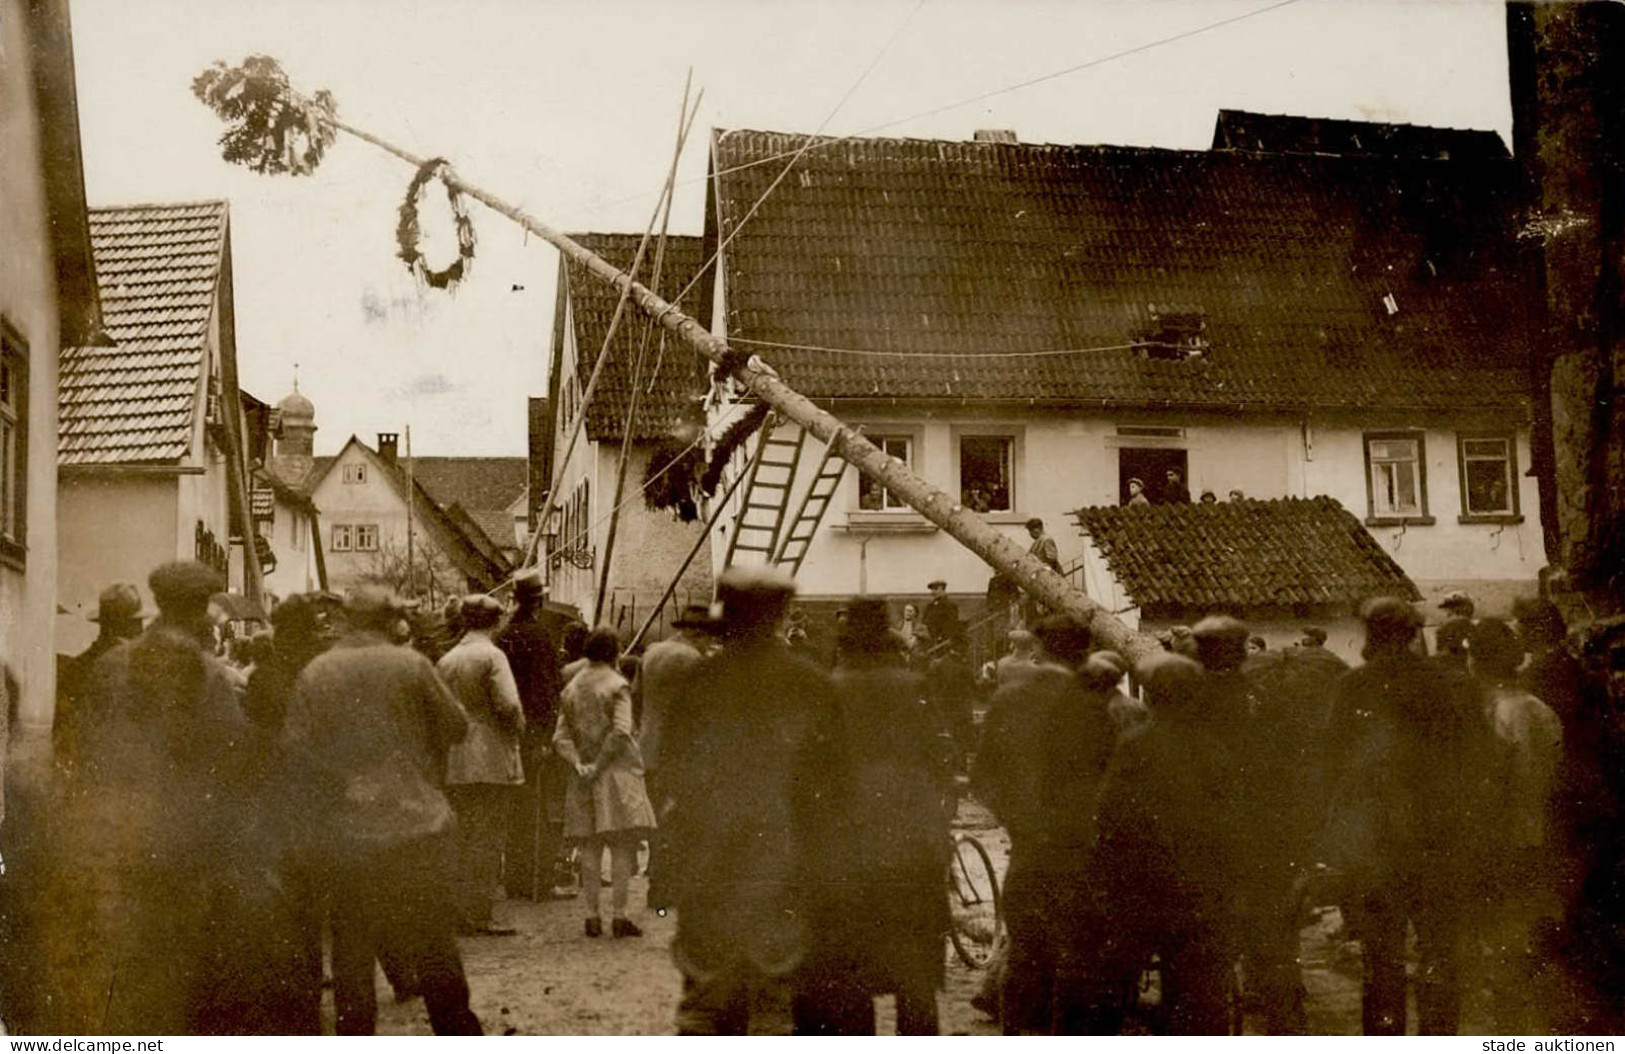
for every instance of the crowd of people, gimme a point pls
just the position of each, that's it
(367, 780)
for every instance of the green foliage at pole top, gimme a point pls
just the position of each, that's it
(271, 128)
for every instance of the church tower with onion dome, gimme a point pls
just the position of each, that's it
(295, 439)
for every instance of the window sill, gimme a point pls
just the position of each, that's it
(1490, 517)
(888, 521)
(1400, 521)
(13, 555)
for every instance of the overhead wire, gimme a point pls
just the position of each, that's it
(893, 123)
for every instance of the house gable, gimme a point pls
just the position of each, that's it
(138, 399)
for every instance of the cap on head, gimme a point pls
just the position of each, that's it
(373, 606)
(1458, 603)
(1103, 669)
(1170, 680)
(1495, 647)
(694, 616)
(480, 612)
(1389, 620)
(1136, 481)
(184, 587)
(118, 603)
(936, 583)
(1064, 638)
(753, 599)
(529, 586)
(1221, 642)
(867, 627)
(1035, 522)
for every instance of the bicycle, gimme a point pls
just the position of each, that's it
(974, 903)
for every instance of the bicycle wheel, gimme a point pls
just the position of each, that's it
(973, 902)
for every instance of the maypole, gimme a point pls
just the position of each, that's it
(269, 123)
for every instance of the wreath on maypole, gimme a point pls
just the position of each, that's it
(408, 230)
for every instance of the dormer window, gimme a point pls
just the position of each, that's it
(1175, 333)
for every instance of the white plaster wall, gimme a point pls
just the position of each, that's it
(1064, 462)
(28, 303)
(374, 502)
(112, 528)
(568, 584)
(289, 535)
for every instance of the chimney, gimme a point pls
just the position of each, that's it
(389, 444)
(996, 135)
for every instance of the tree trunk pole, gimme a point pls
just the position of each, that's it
(963, 525)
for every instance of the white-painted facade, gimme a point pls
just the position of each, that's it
(1066, 460)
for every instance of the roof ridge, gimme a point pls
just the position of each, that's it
(222, 202)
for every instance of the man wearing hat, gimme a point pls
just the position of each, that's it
(941, 615)
(376, 719)
(152, 733)
(1402, 732)
(530, 640)
(749, 764)
(662, 677)
(1269, 745)
(119, 616)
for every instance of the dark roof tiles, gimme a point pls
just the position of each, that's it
(1246, 554)
(158, 267)
(673, 375)
(940, 270)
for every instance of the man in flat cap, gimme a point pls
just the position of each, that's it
(1273, 749)
(376, 719)
(530, 640)
(1402, 733)
(750, 765)
(941, 615)
(157, 731)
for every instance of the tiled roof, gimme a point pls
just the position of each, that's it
(158, 267)
(680, 374)
(929, 251)
(478, 484)
(1290, 134)
(1243, 554)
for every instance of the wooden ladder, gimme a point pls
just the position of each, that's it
(814, 503)
(771, 474)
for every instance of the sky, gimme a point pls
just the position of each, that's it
(569, 108)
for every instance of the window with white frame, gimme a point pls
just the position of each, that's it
(343, 538)
(13, 444)
(1489, 475)
(872, 496)
(987, 472)
(1396, 475)
(356, 473)
(366, 538)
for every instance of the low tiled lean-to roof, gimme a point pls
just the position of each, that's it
(671, 378)
(1244, 554)
(935, 270)
(134, 401)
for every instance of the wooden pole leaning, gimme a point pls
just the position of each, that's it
(929, 501)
